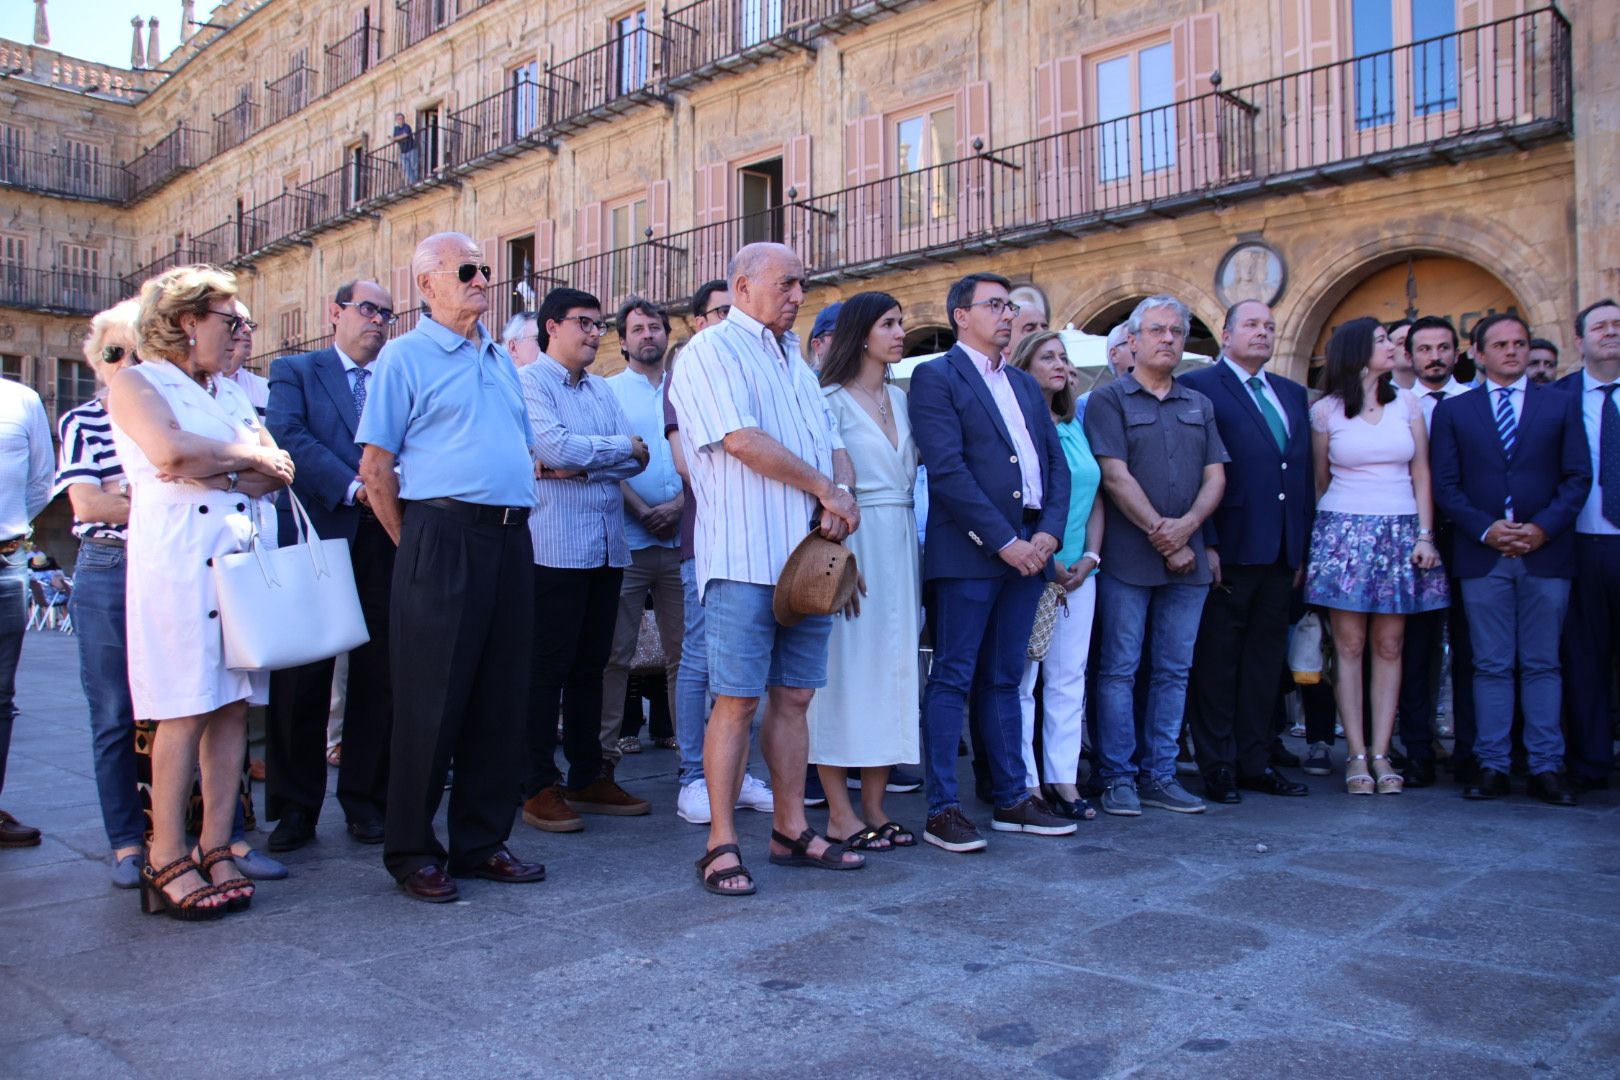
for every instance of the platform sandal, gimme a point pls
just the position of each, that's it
(1390, 783)
(799, 853)
(713, 881)
(1357, 783)
(239, 884)
(190, 907)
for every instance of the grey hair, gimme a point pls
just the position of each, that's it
(1134, 323)
(1116, 337)
(752, 259)
(515, 325)
(426, 257)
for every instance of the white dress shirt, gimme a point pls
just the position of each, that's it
(994, 372)
(1515, 396)
(1428, 401)
(27, 458)
(1591, 519)
(1265, 388)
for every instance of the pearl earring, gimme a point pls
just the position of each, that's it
(192, 340)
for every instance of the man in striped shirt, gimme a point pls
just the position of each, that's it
(766, 462)
(585, 447)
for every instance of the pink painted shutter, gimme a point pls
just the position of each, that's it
(1060, 97)
(797, 224)
(404, 290)
(588, 230)
(659, 253)
(711, 245)
(1494, 61)
(865, 223)
(975, 212)
(1197, 56)
(1312, 106)
(545, 245)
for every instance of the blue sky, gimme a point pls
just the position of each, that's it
(96, 29)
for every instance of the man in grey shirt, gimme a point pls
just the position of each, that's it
(1163, 472)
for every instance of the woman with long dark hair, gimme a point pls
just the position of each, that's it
(866, 717)
(1373, 560)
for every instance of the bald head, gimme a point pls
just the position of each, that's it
(451, 301)
(767, 284)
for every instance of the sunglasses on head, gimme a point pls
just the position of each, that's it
(467, 271)
(112, 354)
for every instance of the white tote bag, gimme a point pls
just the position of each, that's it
(282, 607)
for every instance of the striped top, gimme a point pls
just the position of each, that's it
(577, 524)
(88, 456)
(736, 375)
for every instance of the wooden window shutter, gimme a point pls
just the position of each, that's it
(545, 244)
(798, 228)
(974, 210)
(404, 291)
(1196, 48)
(658, 208)
(972, 118)
(796, 166)
(861, 210)
(1313, 105)
(588, 230)
(490, 246)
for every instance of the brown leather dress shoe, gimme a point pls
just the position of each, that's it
(603, 796)
(14, 833)
(546, 811)
(430, 884)
(502, 866)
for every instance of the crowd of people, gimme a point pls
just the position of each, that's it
(518, 525)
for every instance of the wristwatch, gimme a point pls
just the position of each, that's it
(231, 479)
(845, 489)
(1093, 556)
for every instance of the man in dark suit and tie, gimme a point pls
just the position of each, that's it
(1256, 541)
(315, 404)
(998, 498)
(1592, 632)
(1511, 471)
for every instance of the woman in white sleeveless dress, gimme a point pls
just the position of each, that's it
(866, 717)
(195, 455)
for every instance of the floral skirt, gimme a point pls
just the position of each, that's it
(1363, 562)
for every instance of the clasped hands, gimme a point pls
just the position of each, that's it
(1515, 539)
(1028, 557)
(1169, 537)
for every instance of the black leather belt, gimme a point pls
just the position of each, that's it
(480, 514)
(103, 541)
(1032, 514)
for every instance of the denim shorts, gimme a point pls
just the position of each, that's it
(749, 650)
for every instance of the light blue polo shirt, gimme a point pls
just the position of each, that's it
(658, 483)
(452, 412)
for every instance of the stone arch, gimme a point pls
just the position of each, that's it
(1522, 268)
(1083, 304)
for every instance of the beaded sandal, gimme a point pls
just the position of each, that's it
(238, 884)
(190, 907)
(1357, 783)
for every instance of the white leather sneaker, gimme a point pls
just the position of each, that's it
(756, 795)
(692, 804)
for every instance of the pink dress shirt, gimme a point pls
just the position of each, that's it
(1029, 463)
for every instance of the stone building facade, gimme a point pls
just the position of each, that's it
(1377, 155)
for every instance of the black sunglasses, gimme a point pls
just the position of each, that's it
(370, 311)
(236, 321)
(467, 271)
(112, 354)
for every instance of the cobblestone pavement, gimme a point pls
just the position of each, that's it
(1322, 937)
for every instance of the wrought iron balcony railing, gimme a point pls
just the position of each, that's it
(707, 38)
(66, 292)
(236, 124)
(179, 151)
(352, 56)
(499, 123)
(613, 77)
(416, 20)
(64, 175)
(288, 94)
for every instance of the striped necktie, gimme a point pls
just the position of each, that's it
(1507, 429)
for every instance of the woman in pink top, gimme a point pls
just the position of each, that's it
(1372, 560)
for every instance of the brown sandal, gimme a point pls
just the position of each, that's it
(799, 853)
(190, 907)
(712, 881)
(238, 884)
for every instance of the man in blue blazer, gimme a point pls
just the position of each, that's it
(314, 409)
(1256, 541)
(1510, 469)
(998, 498)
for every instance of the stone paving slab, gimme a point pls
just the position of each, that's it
(1323, 937)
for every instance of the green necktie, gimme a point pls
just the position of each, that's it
(1269, 411)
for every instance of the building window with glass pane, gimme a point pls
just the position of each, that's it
(922, 144)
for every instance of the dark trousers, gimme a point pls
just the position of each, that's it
(300, 699)
(460, 624)
(1237, 668)
(977, 623)
(1591, 655)
(13, 625)
(1420, 684)
(653, 687)
(575, 612)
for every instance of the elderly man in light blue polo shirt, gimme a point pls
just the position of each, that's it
(446, 408)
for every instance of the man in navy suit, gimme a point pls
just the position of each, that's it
(1592, 632)
(1511, 471)
(1256, 542)
(314, 409)
(998, 498)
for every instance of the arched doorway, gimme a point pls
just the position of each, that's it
(1200, 339)
(927, 340)
(1418, 284)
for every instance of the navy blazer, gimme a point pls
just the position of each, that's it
(1270, 494)
(311, 415)
(975, 496)
(1548, 476)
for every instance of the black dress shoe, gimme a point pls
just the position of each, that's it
(1272, 782)
(1464, 768)
(1551, 788)
(295, 829)
(1219, 787)
(1419, 773)
(367, 832)
(1489, 784)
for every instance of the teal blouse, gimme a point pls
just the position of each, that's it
(1085, 476)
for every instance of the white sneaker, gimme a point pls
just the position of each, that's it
(756, 795)
(693, 803)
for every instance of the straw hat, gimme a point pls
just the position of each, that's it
(819, 579)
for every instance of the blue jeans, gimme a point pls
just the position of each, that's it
(98, 617)
(1514, 616)
(1123, 613)
(977, 623)
(13, 624)
(692, 682)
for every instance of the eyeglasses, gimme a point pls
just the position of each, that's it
(720, 311)
(997, 304)
(236, 321)
(249, 325)
(467, 271)
(370, 311)
(112, 354)
(588, 324)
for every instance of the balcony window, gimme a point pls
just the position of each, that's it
(627, 228)
(13, 140)
(1434, 74)
(1373, 35)
(921, 142)
(13, 260)
(1135, 94)
(759, 190)
(75, 384)
(525, 108)
(81, 271)
(761, 21)
(1425, 80)
(631, 54)
(11, 367)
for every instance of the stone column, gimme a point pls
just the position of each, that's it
(154, 55)
(187, 13)
(1597, 154)
(137, 58)
(42, 27)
